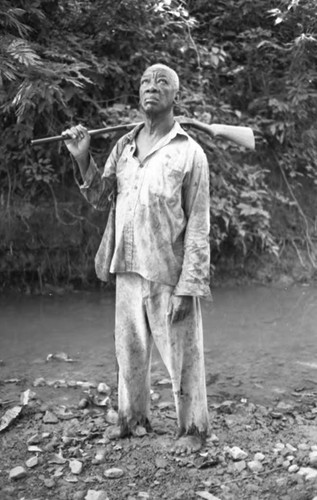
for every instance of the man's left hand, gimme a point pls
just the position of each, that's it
(179, 307)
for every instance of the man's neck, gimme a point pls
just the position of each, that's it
(158, 126)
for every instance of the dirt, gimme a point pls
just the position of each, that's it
(149, 469)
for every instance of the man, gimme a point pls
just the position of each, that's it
(160, 258)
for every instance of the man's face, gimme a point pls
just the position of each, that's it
(157, 91)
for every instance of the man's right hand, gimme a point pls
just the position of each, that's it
(79, 143)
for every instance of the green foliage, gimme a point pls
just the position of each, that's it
(239, 62)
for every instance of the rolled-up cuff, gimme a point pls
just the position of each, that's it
(193, 290)
(92, 170)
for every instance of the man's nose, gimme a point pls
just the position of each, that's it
(152, 87)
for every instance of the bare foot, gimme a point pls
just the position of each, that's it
(187, 445)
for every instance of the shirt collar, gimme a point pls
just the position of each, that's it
(175, 130)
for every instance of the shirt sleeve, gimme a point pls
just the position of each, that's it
(195, 275)
(100, 187)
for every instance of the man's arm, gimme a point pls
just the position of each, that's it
(97, 188)
(195, 276)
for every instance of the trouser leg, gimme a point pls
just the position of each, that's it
(133, 350)
(181, 347)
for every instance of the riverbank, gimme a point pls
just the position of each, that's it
(260, 354)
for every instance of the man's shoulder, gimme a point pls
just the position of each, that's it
(194, 147)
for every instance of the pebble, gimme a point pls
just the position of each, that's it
(206, 495)
(34, 449)
(255, 466)
(39, 382)
(17, 473)
(293, 468)
(143, 494)
(303, 446)
(83, 403)
(79, 495)
(290, 447)
(76, 466)
(113, 473)
(259, 457)
(104, 389)
(49, 483)
(32, 462)
(236, 453)
(240, 466)
(112, 417)
(313, 459)
(279, 447)
(96, 495)
(50, 418)
(140, 431)
(309, 473)
(100, 456)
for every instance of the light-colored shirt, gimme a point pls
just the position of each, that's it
(162, 210)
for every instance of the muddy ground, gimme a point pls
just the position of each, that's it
(60, 444)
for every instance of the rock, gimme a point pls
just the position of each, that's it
(32, 462)
(303, 446)
(206, 495)
(79, 495)
(314, 447)
(50, 418)
(49, 483)
(293, 468)
(100, 456)
(35, 439)
(290, 448)
(279, 447)
(259, 457)
(34, 449)
(240, 466)
(96, 495)
(104, 389)
(113, 473)
(76, 466)
(236, 453)
(139, 431)
(309, 473)
(143, 494)
(83, 403)
(39, 382)
(112, 417)
(255, 466)
(17, 473)
(286, 464)
(313, 459)
(213, 439)
(155, 397)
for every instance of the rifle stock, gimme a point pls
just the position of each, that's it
(242, 136)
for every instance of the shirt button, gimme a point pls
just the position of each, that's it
(141, 165)
(135, 187)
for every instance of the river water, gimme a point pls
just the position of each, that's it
(260, 343)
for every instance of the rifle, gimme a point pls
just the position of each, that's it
(242, 136)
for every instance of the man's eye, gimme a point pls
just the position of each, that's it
(163, 80)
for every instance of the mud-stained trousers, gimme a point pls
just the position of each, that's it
(141, 319)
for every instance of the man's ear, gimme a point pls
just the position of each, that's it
(177, 97)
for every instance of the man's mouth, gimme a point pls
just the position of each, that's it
(150, 99)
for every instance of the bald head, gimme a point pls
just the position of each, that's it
(167, 70)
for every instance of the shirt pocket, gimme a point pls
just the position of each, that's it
(164, 180)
